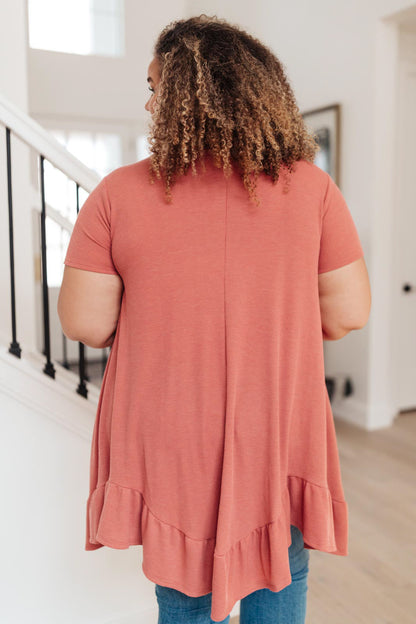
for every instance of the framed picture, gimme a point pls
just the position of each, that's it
(325, 122)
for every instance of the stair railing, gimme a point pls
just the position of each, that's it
(25, 128)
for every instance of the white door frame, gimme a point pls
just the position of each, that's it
(381, 409)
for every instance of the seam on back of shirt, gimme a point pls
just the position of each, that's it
(322, 204)
(109, 207)
(324, 198)
(225, 269)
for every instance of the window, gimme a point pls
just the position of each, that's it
(57, 242)
(77, 26)
(142, 147)
(98, 151)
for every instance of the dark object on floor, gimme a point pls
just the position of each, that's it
(348, 387)
(330, 386)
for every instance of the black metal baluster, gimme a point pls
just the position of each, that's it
(64, 362)
(49, 368)
(82, 388)
(82, 364)
(104, 358)
(14, 345)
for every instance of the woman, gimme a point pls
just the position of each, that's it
(215, 268)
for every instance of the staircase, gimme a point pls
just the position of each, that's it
(28, 301)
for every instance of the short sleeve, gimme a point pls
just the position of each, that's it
(89, 247)
(340, 243)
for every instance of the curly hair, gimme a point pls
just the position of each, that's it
(223, 91)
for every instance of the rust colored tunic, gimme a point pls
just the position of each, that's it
(214, 430)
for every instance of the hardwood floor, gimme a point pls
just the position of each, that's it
(376, 582)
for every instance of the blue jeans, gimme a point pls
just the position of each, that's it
(263, 606)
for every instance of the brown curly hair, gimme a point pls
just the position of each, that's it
(224, 91)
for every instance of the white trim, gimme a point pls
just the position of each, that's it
(380, 382)
(43, 142)
(24, 381)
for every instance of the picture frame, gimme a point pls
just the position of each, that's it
(325, 122)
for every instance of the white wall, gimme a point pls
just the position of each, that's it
(13, 52)
(14, 85)
(107, 93)
(46, 575)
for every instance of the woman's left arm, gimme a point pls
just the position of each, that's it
(89, 306)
